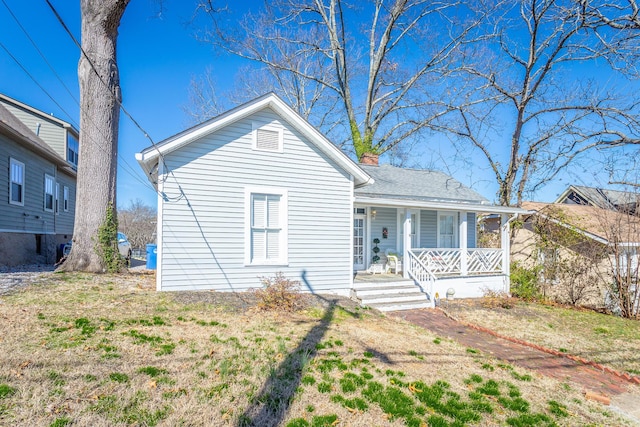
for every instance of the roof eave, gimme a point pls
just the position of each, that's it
(453, 206)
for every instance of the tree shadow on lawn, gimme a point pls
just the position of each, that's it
(271, 405)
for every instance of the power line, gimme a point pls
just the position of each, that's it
(123, 163)
(24, 69)
(120, 105)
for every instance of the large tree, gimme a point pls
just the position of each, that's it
(99, 119)
(386, 62)
(551, 82)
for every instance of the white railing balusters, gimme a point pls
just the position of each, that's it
(447, 262)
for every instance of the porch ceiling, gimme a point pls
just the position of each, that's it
(437, 205)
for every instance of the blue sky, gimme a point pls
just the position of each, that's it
(158, 56)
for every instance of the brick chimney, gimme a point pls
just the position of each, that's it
(369, 159)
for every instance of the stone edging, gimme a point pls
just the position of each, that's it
(633, 379)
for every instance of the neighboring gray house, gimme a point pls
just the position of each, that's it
(258, 190)
(621, 201)
(61, 136)
(37, 195)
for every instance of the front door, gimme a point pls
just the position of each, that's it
(358, 242)
(414, 233)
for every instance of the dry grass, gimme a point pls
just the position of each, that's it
(606, 339)
(109, 351)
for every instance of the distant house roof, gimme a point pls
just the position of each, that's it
(396, 186)
(44, 116)
(149, 157)
(11, 126)
(603, 225)
(600, 197)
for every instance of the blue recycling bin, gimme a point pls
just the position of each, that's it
(152, 256)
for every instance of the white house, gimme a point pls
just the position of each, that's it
(258, 190)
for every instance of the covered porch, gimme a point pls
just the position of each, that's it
(435, 242)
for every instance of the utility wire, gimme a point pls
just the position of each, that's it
(121, 106)
(130, 171)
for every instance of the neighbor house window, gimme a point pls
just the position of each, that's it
(266, 218)
(72, 150)
(268, 137)
(65, 198)
(16, 178)
(49, 185)
(57, 201)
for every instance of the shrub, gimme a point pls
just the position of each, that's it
(524, 283)
(279, 293)
(495, 299)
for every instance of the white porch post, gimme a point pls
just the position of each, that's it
(505, 235)
(462, 226)
(406, 230)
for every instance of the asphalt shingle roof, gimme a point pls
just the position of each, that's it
(416, 184)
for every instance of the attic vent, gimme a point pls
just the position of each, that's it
(267, 138)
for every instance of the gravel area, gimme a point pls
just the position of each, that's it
(22, 275)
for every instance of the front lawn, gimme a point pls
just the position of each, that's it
(108, 350)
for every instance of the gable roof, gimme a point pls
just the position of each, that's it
(417, 184)
(602, 225)
(150, 157)
(15, 129)
(421, 188)
(41, 114)
(600, 197)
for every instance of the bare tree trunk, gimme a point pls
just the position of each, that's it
(99, 118)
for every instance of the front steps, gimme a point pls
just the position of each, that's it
(393, 295)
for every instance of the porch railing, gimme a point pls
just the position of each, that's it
(448, 262)
(419, 272)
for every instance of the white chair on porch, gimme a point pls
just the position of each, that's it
(394, 261)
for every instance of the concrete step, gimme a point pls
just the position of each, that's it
(392, 306)
(386, 290)
(391, 296)
(385, 298)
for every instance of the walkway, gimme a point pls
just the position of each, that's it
(562, 368)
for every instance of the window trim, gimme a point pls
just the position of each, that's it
(65, 198)
(274, 127)
(283, 260)
(53, 181)
(13, 161)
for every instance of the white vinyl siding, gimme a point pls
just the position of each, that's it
(16, 179)
(267, 239)
(203, 237)
(267, 137)
(48, 193)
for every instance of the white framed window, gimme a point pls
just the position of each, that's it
(57, 199)
(447, 229)
(65, 198)
(268, 137)
(49, 184)
(16, 182)
(266, 227)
